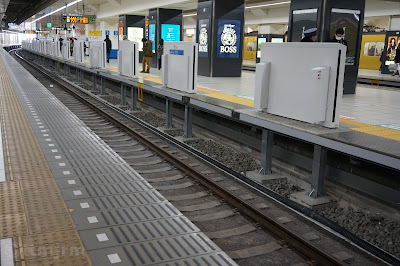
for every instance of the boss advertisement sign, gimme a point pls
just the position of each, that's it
(203, 38)
(228, 44)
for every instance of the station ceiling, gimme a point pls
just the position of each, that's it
(20, 10)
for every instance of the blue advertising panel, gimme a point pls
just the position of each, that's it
(229, 36)
(152, 35)
(203, 37)
(170, 33)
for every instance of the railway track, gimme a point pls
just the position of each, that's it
(249, 226)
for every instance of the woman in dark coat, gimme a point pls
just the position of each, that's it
(397, 60)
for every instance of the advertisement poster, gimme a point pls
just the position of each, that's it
(374, 48)
(203, 37)
(349, 21)
(136, 35)
(303, 20)
(260, 41)
(170, 33)
(229, 36)
(393, 41)
(152, 35)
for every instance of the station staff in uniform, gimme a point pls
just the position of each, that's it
(310, 35)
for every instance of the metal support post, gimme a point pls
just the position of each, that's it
(318, 172)
(134, 98)
(103, 86)
(168, 113)
(123, 95)
(94, 81)
(266, 152)
(188, 122)
(68, 71)
(77, 74)
(81, 76)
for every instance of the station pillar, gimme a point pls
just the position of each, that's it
(133, 27)
(164, 24)
(329, 16)
(220, 34)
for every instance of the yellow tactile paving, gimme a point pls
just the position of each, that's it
(373, 130)
(32, 210)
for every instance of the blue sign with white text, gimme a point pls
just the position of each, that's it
(152, 35)
(115, 33)
(108, 32)
(170, 33)
(229, 37)
(176, 52)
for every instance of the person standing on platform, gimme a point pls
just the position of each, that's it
(147, 55)
(71, 46)
(61, 43)
(160, 52)
(310, 35)
(397, 61)
(108, 47)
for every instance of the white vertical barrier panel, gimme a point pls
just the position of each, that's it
(179, 66)
(97, 53)
(78, 53)
(48, 47)
(128, 58)
(305, 81)
(65, 52)
(263, 71)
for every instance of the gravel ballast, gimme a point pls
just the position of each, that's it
(372, 227)
(238, 161)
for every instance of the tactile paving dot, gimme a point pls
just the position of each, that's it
(49, 223)
(68, 236)
(13, 225)
(76, 260)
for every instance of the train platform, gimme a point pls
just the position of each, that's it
(371, 110)
(56, 178)
(364, 132)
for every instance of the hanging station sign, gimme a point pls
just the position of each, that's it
(79, 19)
(228, 44)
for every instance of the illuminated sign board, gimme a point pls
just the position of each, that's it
(203, 37)
(229, 34)
(48, 25)
(80, 19)
(30, 32)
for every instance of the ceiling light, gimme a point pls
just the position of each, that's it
(55, 11)
(248, 7)
(265, 5)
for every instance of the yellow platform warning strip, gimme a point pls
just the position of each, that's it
(361, 127)
(373, 130)
(32, 211)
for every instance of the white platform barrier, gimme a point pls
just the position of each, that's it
(301, 81)
(97, 54)
(128, 58)
(55, 48)
(79, 55)
(65, 52)
(48, 47)
(179, 66)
